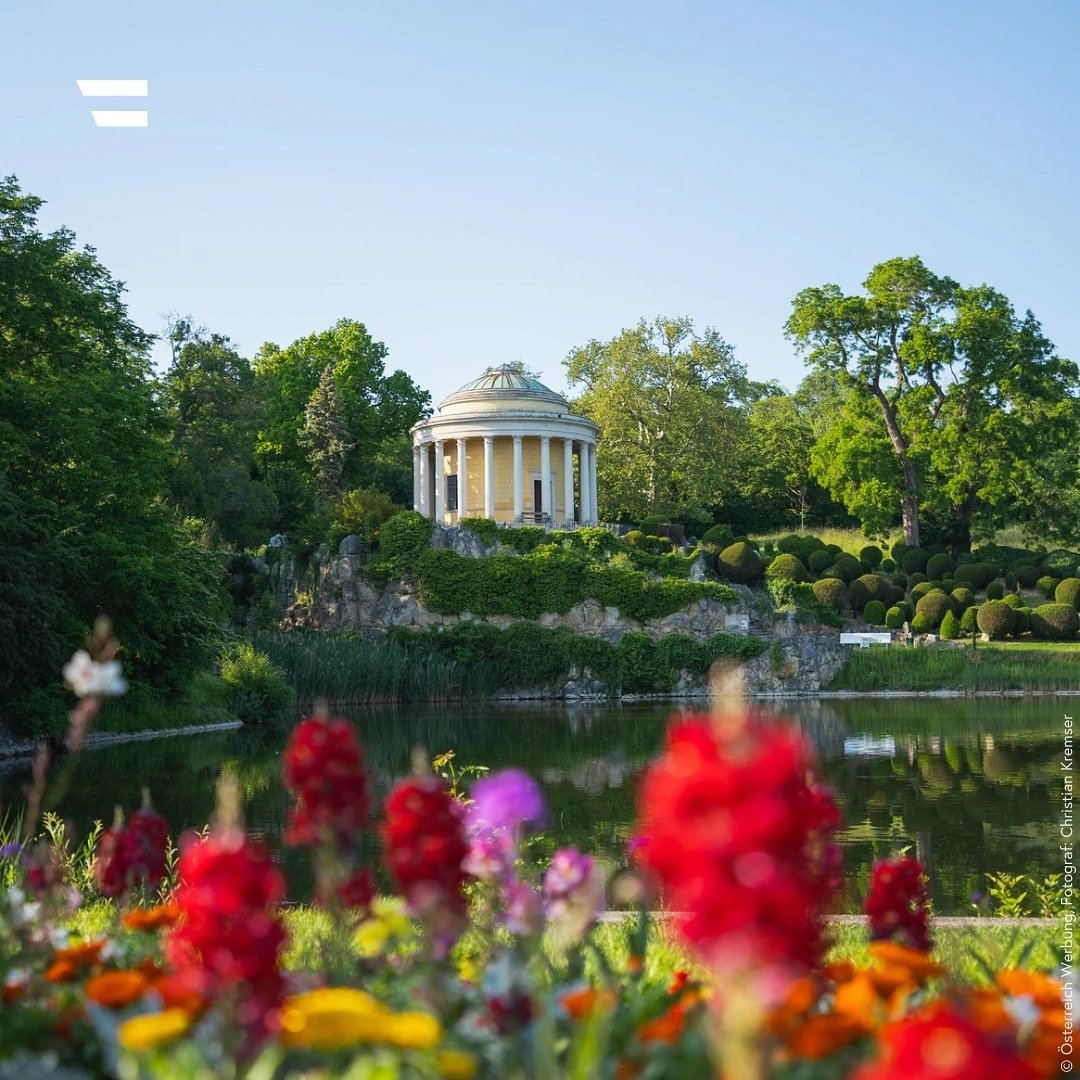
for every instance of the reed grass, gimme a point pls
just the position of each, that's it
(350, 670)
(986, 668)
(852, 540)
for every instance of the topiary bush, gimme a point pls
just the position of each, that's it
(938, 566)
(895, 618)
(950, 627)
(919, 590)
(819, 561)
(922, 624)
(788, 567)
(871, 556)
(995, 619)
(874, 613)
(1021, 620)
(916, 578)
(1012, 600)
(914, 560)
(848, 566)
(739, 562)
(995, 590)
(969, 620)
(790, 544)
(898, 550)
(1047, 585)
(975, 575)
(869, 587)
(1068, 592)
(1026, 574)
(934, 605)
(1055, 622)
(908, 608)
(887, 566)
(833, 593)
(720, 535)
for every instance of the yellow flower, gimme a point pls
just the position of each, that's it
(468, 969)
(388, 920)
(332, 1018)
(412, 1031)
(153, 1029)
(456, 1064)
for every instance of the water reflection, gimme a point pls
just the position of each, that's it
(973, 783)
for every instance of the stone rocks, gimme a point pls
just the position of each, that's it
(698, 569)
(352, 545)
(801, 660)
(460, 540)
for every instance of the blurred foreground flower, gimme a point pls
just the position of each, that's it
(86, 677)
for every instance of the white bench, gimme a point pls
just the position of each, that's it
(865, 640)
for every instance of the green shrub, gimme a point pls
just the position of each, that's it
(916, 578)
(818, 561)
(720, 535)
(948, 584)
(871, 556)
(869, 587)
(790, 544)
(874, 613)
(995, 590)
(1061, 563)
(963, 598)
(832, 592)
(1047, 585)
(922, 624)
(969, 620)
(898, 551)
(849, 567)
(1026, 574)
(1068, 592)
(995, 619)
(907, 607)
(937, 566)
(403, 538)
(1021, 620)
(899, 579)
(634, 537)
(934, 605)
(1013, 601)
(835, 549)
(787, 566)
(887, 566)
(362, 513)
(257, 689)
(1055, 622)
(974, 575)
(739, 562)
(895, 618)
(950, 626)
(914, 560)
(920, 589)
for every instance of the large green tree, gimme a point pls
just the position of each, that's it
(83, 455)
(377, 410)
(670, 404)
(953, 403)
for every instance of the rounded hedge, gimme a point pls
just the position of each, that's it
(895, 618)
(916, 578)
(898, 550)
(874, 613)
(887, 566)
(819, 561)
(899, 579)
(833, 592)
(934, 605)
(975, 575)
(919, 590)
(938, 566)
(1021, 620)
(836, 549)
(787, 567)
(720, 535)
(871, 556)
(1055, 622)
(908, 608)
(1026, 575)
(869, 587)
(739, 562)
(995, 590)
(995, 619)
(850, 568)
(1068, 592)
(950, 627)
(969, 620)
(790, 544)
(1013, 600)
(922, 624)
(1047, 585)
(914, 560)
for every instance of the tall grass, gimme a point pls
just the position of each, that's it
(851, 539)
(350, 670)
(986, 668)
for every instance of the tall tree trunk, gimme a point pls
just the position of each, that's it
(909, 510)
(909, 499)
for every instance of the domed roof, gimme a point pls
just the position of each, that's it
(505, 388)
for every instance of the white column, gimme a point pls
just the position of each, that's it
(489, 476)
(592, 483)
(545, 477)
(440, 495)
(519, 503)
(568, 480)
(583, 487)
(462, 480)
(423, 507)
(416, 477)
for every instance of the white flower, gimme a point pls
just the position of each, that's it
(1023, 1010)
(87, 678)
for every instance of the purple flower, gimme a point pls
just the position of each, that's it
(524, 911)
(10, 849)
(505, 801)
(569, 870)
(573, 894)
(490, 856)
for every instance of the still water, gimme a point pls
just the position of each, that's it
(975, 783)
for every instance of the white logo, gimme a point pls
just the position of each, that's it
(116, 88)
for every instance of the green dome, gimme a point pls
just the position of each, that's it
(505, 377)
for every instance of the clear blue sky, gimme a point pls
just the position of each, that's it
(480, 182)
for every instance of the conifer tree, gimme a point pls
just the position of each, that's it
(324, 435)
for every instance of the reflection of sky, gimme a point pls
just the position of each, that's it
(869, 746)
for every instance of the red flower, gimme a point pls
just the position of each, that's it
(425, 844)
(229, 937)
(357, 890)
(938, 1044)
(738, 839)
(110, 873)
(132, 855)
(324, 769)
(897, 904)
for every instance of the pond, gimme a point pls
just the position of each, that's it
(974, 783)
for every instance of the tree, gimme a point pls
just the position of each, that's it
(323, 436)
(952, 402)
(670, 406)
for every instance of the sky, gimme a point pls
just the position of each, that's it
(480, 182)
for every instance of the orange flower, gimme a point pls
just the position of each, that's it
(797, 1002)
(823, 1035)
(151, 918)
(858, 1001)
(626, 1069)
(117, 989)
(179, 992)
(918, 964)
(678, 981)
(667, 1027)
(1044, 990)
(633, 964)
(85, 954)
(841, 971)
(61, 971)
(987, 1011)
(580, 1004)
(12, 992)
